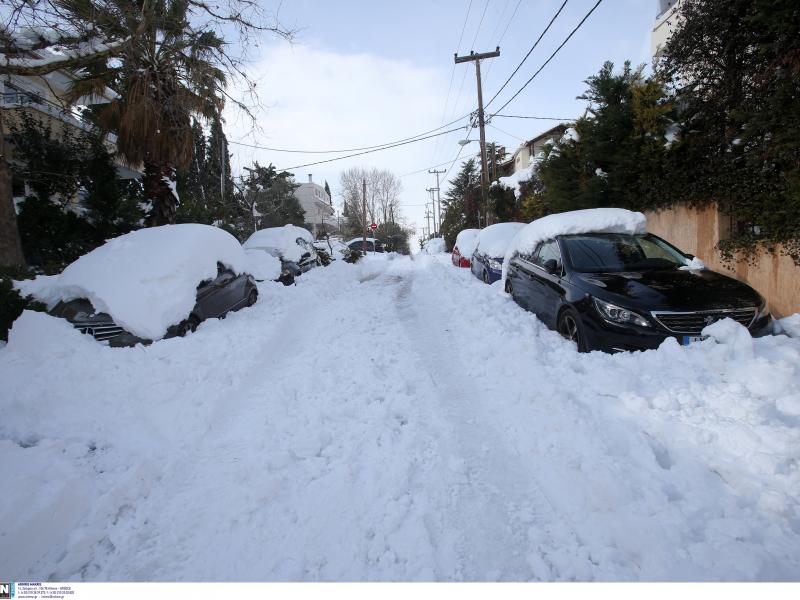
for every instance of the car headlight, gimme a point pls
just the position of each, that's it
(495, 265)
(617, 314)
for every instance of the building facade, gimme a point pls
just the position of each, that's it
(317, 207)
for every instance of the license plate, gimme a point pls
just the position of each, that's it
(691, 339)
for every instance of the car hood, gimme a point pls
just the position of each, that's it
(669, 289)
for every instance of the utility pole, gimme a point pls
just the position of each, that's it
(476, 58)
(428, 219)
(433, 208)
(364, 191)
(438, 195)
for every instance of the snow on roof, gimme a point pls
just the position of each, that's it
(466, 240)
(262, 265)
(361, 239)
(147, 279)
(284, 239)
(493, 240)
(594, 220)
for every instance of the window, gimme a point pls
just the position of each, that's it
(547, 251)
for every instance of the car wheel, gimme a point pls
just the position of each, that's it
(187, 326)
(569, 326)
(252, 297)
(486, 277)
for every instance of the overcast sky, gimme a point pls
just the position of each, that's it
(362, 73)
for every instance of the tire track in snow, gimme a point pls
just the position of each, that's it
(499, 523)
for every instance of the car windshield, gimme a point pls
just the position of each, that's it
(610, 252)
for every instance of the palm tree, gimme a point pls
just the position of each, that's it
(168, 75)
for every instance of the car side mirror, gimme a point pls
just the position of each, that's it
(551, 266)
(306, 254)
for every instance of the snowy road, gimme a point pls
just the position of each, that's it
(395, 420)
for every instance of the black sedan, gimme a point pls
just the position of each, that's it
(215, 298)
(621, 292)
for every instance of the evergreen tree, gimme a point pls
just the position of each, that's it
(218, 181)
(735, 71)
(328, 191)
(267, 200)
(195, 205)
(461, 202)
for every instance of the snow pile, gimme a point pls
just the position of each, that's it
(147, 279)
(694, 264)
(594, 220)
(283, 239)
(494, 239)
(466, 240)
(433, 246)
(262, 265)
(789, 325)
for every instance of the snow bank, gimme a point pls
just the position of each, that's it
(595, 220)
(494, 239)
(434, 246)
(466, 240)
(789, 325)
(147, 279)
(284, 239)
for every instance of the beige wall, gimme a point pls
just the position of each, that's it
(697, 231)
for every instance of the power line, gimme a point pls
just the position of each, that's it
(536, 43)
(578, 26)
(377, 146)
(369, 151)
(530, 117)
(501, 131)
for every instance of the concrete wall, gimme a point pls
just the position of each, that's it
(698, 231)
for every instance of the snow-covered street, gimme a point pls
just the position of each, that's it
(393, 420)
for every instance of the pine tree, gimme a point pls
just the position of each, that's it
(461, 202)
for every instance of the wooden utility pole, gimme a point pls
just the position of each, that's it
(476, 58)
(438, 195)
(428, 219)
(364, 192)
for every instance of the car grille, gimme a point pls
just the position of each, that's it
(100, 331)
(692, 323)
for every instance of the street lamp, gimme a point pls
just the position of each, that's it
(465, 142)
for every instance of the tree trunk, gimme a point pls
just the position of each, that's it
(10, 243)
(160, 191)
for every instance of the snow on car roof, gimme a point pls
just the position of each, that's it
(590, 220)
(146, 279)
(494, 239)
(283, 239)
(466, 240)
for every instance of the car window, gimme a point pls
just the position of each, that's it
(595, 253)
(547, 251)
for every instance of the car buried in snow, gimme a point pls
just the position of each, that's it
(617, 288)
(463, 248)
(292, 245)
(370, 245)
(154, 283)
(490, 249)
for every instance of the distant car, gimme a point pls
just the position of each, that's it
(464, 247)
(293, 245)
(490, 248)
(622, 290)
(215, 298)
(372, 244)
(150, 284)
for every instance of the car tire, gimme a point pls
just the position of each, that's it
(252, 297)
(486, 277)
(187, 326)
(571, 328)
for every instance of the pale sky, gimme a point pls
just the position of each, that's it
(364, 73)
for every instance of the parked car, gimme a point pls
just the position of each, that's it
(623, 291)
(292, 245)
(490, 248)
(337, 249)
(153, 283)
(372, 244)
(215, 298)
(464, 247)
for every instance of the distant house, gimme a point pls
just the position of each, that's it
(42, 97)
(521, 158)
(666, 19)
(317, 207)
